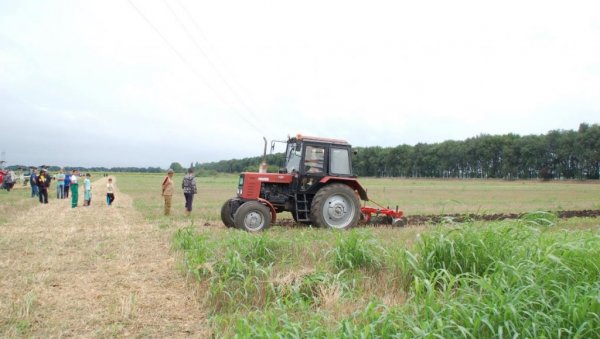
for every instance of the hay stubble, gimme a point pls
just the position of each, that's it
(97, 271)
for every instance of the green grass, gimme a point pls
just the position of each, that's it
(473, 280)
(534, 277)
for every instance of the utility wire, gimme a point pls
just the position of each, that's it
(187, 12)
(208, 59)
(187, 63)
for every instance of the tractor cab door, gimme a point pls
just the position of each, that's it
(314, 166)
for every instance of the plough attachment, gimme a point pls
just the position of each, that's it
(382, 216)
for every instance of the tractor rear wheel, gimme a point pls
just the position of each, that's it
(335, 206)
(252, 216)
(226, 214)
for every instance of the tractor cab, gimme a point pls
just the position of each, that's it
(310, 159)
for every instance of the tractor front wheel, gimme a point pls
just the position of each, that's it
(227, 214)
(252, 216)
(335, 206)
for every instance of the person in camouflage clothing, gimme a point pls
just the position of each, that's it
(189, 189)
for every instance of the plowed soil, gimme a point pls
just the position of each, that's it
(425, 219)
(436, 219)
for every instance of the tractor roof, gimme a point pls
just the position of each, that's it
(301, 137)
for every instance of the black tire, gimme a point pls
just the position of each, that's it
(252, 216)
(226, 214)
(401, 222)
(335, 206)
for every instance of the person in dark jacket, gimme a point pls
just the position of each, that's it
(43, 183)
(67, 184)
(189, 189)
(35, 192)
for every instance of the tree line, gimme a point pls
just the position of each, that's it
(559, 154)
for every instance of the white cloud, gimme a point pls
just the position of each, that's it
(374, 73)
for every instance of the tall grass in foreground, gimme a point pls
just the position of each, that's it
(497, 280)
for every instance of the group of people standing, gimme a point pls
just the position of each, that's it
(65, 184)
(188, 186)
(7, 179)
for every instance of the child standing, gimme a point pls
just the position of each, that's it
(110, 194)
(87, 193)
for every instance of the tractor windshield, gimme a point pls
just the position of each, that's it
(292, 158)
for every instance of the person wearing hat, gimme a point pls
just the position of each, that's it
(43, 183)
(167, 190)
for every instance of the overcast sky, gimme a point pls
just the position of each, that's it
(145, 83)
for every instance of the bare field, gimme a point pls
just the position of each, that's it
(110, 271)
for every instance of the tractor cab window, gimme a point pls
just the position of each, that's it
(340, 161)
(314, 159)
(293, 156)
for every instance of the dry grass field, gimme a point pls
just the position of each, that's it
(94, 271)
(111, 271)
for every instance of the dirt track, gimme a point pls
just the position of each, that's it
(92, 272)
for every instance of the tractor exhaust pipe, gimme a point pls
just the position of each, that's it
(263, 166)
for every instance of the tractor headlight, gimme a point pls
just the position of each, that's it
(239, 192)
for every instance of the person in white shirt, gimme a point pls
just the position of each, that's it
(110, 192)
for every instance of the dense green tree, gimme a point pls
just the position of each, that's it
(557, 154)
(176, 167)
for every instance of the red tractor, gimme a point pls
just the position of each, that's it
(316, 185)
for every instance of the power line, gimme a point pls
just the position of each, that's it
(208, 59)
(187, 12)
(188, 64)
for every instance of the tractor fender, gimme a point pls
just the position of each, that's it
(352, 182)
(271, 207)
